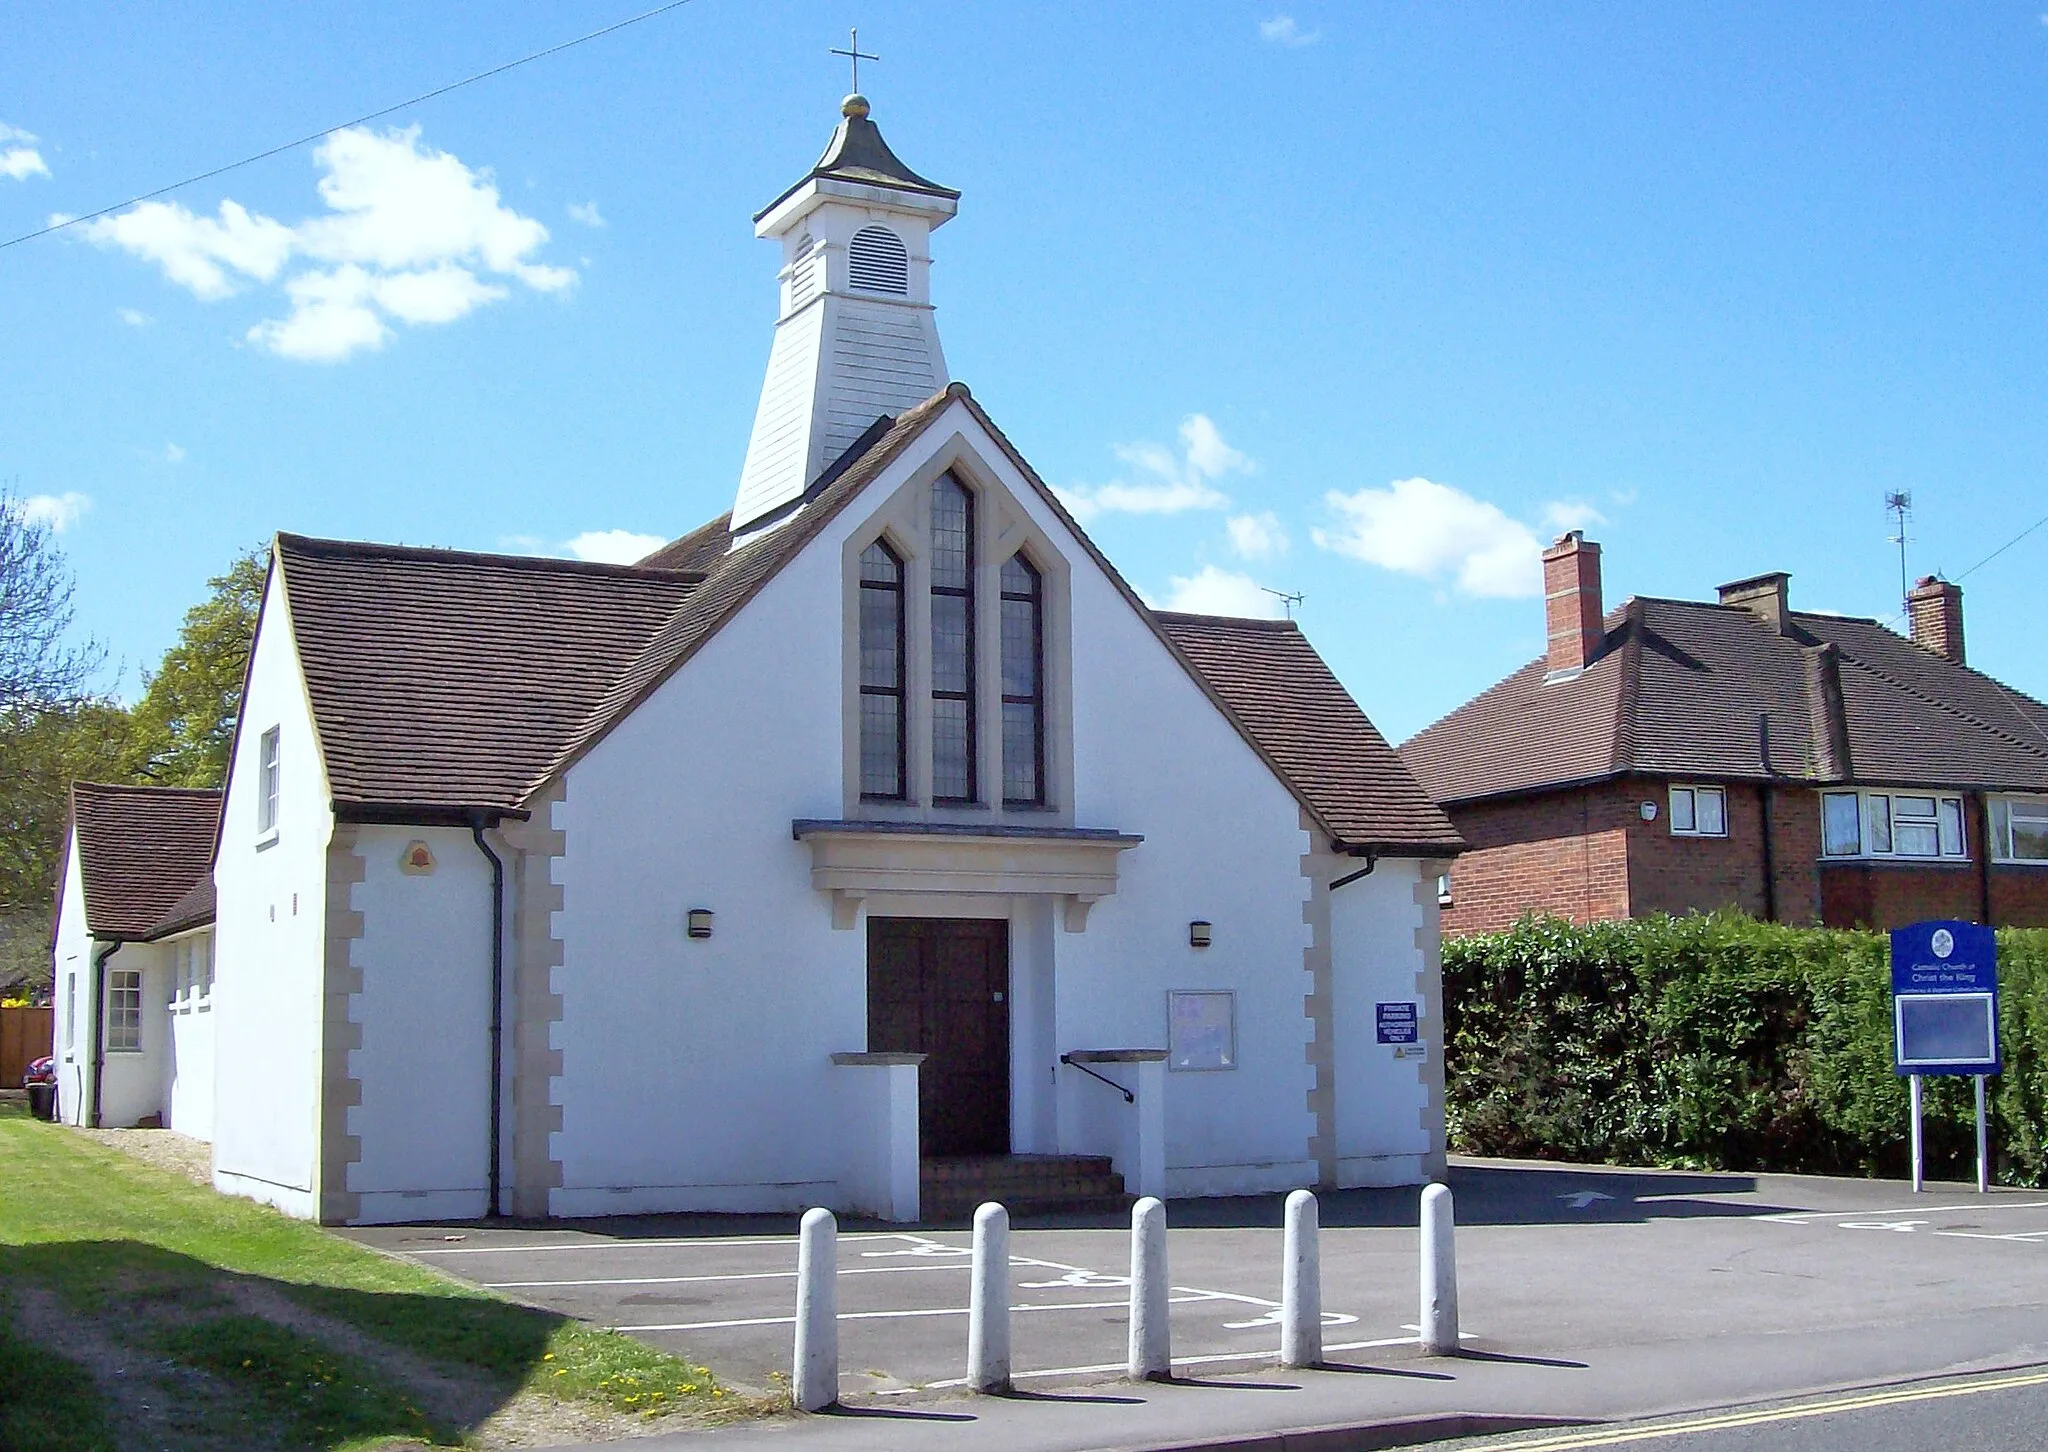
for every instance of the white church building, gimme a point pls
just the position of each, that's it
(872, 846)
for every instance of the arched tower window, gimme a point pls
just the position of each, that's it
(952, 641)
(877, 261)
(881, 673)
(1023, 684)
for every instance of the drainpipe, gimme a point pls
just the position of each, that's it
(476, 831)
(1366, 871)
(1984, 856)
(1763, 747)
(99, 1017)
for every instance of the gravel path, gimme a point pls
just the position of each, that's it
(166, 1149)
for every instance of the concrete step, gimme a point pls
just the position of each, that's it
(1026, 1185)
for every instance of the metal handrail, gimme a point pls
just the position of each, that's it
(1071, 1062)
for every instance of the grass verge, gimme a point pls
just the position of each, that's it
(154, 1261)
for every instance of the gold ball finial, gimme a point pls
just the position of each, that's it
(854, 106)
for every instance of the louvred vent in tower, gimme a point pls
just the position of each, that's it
(877, 261)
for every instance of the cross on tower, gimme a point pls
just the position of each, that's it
(854, 53)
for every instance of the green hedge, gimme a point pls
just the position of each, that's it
(1721, 1043)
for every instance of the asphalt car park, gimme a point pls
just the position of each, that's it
(1552, 1261)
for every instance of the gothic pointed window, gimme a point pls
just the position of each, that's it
(1023, 684)
(881, 673)
(953, 724)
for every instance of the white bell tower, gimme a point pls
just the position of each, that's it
(854, 338)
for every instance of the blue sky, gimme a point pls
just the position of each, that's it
(1361, 301)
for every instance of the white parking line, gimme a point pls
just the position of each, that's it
(1801, 1217)
(608, 1245)
(908, 1315)
(2025, 1237)
(788, 1275)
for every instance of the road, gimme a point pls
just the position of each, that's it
(2006, 1412)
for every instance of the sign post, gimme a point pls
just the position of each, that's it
(1945, 1018)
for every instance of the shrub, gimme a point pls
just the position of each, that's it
(1721, 1043)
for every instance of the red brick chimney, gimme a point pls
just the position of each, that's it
(1936, 607)
(1571, 602)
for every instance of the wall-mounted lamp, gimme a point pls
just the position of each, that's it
(700, 922)
(1198, 934)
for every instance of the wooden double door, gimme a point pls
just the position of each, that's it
(941, 987)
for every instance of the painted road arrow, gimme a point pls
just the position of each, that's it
(1580, 1199)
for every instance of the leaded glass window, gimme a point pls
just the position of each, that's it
(881, 673)
(952, 641)
(1023, 684)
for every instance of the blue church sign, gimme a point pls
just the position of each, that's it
(1944, 999)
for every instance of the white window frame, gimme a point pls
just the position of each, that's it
(2003, 810)
(1693, 794)
(268, 752)
(124, 997)
(1878, 825)
(202, 953)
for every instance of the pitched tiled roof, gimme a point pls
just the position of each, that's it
(1682, 687)
(461, 681)
(141, 852)
(451, 680)
(1305, 723)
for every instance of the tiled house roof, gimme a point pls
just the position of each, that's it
(1686, 688)
(145, 855)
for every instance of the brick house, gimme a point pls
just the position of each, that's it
(1678, 755)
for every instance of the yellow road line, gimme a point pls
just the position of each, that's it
(1618, 1435)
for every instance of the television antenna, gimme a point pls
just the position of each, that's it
(1287, 600)
(1900, 503)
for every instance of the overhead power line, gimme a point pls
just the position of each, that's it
(311, 137)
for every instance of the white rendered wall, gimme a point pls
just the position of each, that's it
(697, 1074)
(1382, 1136)
(425, 1061)
(132, 1080)
(71, 988)
(270, 940)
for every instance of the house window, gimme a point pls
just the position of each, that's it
(953, 724)
(266, 783)
(1023, 684)
(181, 983)
(124, 1011)
(1924, 825)
(1699, 811)
(202, 951)
(881, 673)
(2019, 829)
(70, 1009)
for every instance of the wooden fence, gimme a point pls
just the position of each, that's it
(25, 1034)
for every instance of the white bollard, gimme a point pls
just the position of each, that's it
(1439, 1274)
(1151, 1336)
(1301, 1285)
(814, 1385)
(988, 1308)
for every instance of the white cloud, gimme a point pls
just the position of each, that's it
(173, 454)
(411, 235)
(614, 546)
(1164, 481)
(1258, 536)
(1284, 30)
(58, 511)
(586, 213)
(1419, 527)
(1213, 591)
(19, 158)
(134, 317)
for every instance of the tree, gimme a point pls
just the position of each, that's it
(185, 721)
(38, 667)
